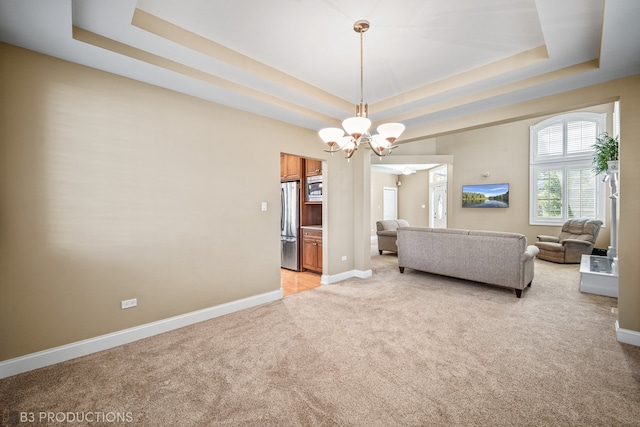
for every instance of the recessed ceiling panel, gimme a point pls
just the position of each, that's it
(410, 43)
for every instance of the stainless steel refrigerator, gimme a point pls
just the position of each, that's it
(289, 224)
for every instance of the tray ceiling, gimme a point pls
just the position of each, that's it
(298, 60)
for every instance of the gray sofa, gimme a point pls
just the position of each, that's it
(387, 234)
(496, 258)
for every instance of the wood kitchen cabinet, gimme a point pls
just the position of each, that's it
(311, 213)
(312, 250)
(290, 167)
(312, 167)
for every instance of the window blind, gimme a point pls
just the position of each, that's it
(550, 140)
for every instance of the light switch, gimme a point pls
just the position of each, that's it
(264, 206)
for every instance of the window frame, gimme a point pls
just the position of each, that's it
(562, 162)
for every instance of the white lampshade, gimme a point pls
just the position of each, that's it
(379, 141)
(356, 126)
(331, 135)
(391, 131)
(378, 144)
(347, 143)
(349, 146)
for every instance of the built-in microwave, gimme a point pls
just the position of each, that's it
(313, 189)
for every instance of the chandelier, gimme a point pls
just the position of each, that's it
(357, 128)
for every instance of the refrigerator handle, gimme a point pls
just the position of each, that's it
(282, 212)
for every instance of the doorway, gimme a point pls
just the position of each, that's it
(390, 203)
(299, 216)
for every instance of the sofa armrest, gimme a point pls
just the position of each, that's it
(543, 238)
(530, 253)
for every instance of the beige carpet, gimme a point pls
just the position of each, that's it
(407, 349)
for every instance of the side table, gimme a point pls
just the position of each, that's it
(597, 277)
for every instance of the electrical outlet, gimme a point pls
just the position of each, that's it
(128, 303)
(344, 257)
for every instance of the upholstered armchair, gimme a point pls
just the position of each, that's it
(576, 238)
(388, 234)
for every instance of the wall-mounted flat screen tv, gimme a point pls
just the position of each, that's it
(485, 196)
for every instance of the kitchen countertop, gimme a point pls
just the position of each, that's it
(312, 227)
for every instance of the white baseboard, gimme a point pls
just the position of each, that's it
(62, 353)
(328, 280)
(627, 336)
(363, 274)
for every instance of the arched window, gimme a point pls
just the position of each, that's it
(562, 182)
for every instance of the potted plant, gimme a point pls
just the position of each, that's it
(606, 150)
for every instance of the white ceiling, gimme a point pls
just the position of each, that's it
(298, 60)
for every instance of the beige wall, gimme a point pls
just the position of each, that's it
(112, 189)
(502, 151)
(628, 230)
(379, 180)
(413, 198)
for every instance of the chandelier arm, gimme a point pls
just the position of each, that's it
(332, 151)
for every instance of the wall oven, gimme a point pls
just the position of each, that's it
(313, 189)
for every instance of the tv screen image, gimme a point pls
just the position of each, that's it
(485, 196)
